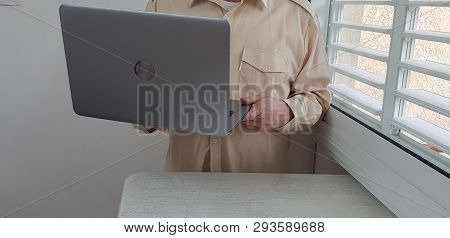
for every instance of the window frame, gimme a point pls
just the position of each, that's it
(401, 46)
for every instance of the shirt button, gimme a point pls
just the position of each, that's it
(214, 140)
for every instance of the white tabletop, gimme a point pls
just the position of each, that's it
(216, 195)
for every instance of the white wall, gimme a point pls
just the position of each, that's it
(43, 145)
(322, 8)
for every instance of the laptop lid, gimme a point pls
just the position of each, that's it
(152, 69)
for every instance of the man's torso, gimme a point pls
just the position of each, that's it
(267, 52)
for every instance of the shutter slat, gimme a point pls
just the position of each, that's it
(362, 27)
(362, 2)
(425, 131)
(427, 67)
(429, 100)
(358, 98)
(360, 75)
(362, 51)
(428, 35)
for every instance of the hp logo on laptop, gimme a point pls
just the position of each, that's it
(144, 70)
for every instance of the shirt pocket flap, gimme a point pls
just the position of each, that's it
(265, 61)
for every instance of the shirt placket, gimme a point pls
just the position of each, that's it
(215, 145)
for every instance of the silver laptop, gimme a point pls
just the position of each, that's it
(152, 69)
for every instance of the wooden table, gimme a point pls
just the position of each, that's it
(217, 195)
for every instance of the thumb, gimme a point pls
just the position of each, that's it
(250, 100)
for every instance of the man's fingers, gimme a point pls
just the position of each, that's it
(253, 113)
(250, 100)
(259, 123)
(251, 126)
(255, 122)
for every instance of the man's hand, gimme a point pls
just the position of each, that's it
(266, 113)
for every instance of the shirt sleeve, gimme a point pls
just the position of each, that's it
(151, 6)
(309, 97)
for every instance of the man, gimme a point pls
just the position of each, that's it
(278, 65)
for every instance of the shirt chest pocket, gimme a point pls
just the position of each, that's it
(263, 73)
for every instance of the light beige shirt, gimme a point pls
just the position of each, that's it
(276, 51)
(226, 5)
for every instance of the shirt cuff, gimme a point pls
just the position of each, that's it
(289, 128)
(306, 114)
